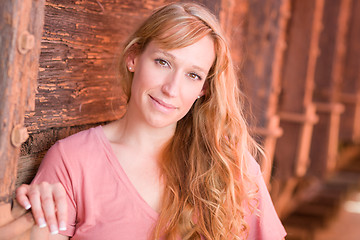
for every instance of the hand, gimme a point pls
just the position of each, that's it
(47, 203)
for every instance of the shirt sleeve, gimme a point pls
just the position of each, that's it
(264, 222)
(53, 169)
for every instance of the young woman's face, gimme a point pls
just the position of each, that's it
(167, 82)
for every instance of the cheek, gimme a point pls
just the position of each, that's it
(146, 76)
(141, 81)
(191, 94)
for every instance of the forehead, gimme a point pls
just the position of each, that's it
(200, 53)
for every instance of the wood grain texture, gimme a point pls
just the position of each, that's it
(20, 30)
(21, 24)
(77, 77)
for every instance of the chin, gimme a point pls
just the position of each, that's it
(160, 123)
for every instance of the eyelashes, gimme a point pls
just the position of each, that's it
(166, 64)
(194, 76)
(162, 62)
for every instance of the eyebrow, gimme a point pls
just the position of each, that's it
(172, 57)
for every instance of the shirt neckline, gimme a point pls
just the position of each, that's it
(122, 174)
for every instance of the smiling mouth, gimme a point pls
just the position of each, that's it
(162, 103)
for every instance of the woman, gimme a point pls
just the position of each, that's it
(178, 164)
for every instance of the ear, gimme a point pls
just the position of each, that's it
(131, 59)
(131, 62)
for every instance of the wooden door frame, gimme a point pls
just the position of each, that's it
(21, 26)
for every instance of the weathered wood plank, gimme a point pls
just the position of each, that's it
(261, 32)
(297, 57)
(350, 94)
(21, 28)
(21, 24)
(265, 34)
(27, 167)
(323, 81)
(328, 80)
(77, 78)
(296, 112)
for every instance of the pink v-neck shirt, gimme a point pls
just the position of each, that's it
(104, 204)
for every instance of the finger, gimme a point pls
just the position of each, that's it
(61, 205)
(48, 207)
(34, 197)
(21, 196)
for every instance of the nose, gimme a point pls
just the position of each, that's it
(171, 84)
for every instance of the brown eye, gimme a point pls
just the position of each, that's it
(194, 76)
(162, 62)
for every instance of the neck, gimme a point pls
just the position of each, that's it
(136, 134)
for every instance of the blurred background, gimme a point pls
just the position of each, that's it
(297, 61)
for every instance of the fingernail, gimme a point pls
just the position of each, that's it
(53, 230)
(62, 226)
(41, 223)
(27, 205)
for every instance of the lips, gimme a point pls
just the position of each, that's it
(162, 103)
